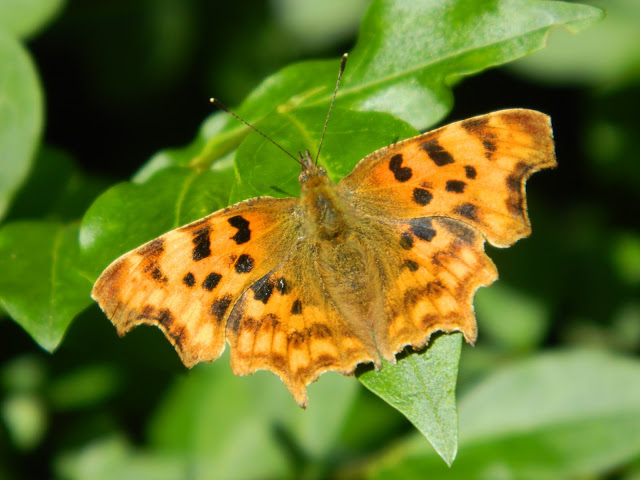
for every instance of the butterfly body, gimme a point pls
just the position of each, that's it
(348, 273)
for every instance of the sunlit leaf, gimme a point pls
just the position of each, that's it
(24, 18)
(423, 387)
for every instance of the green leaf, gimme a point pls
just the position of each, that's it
(83, 387)
(625, 257)
(20, 117)
(606, 54)
(43, 283)
(216, 421)
(113, 457)
(404, 63)
(25, 419)
(24, 18)
(562, 415)
(55, 176)
(263, 169)
(409, 54)
(512, 319)
(423, 387)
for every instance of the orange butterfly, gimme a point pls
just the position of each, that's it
(349, 273)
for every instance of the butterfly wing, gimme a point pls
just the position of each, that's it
(440, 265)
(473, 171)
(437, 197)
(286, 323)
(187, 281)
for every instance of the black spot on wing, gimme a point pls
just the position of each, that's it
(467, 210)
(489, 147)
(243, 235)
(402, 174)
(406, 241)
(422, 196)
(459, 230)
(296, 308)
(220, 306)
(282, 286)
(436, 153)
(455, 186)
(189, 280)
(411, 265)
(211, 281)
(165, 317)
(479, 127)
(515, 201)
(470, 172)
(423, 228)
(263, 289)
(475, 126)
(244, 264)
(152, 249)
(156, 272)
(202, 243)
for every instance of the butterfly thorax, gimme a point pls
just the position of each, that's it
(325, 211)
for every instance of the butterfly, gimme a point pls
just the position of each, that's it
(348, 273)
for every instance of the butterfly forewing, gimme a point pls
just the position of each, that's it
(187, 281)
(473, 171)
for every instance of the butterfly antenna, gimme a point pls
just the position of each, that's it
(218, 104)
(343, 62)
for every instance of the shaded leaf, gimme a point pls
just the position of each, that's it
(558, 416)
(113, 457)
(511, 318)
(55, 189)
(216, 421)
(44, 283)
(20, 117)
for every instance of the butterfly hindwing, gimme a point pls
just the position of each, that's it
(287, 324)
(431, 281)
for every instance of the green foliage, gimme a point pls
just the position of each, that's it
(566, 414)
(24, 18)
(43, 283)
(102, 407)
(20, 116)
(427, 395)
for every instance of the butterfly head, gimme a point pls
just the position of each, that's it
(311, 173)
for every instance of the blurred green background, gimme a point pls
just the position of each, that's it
(552, 389)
